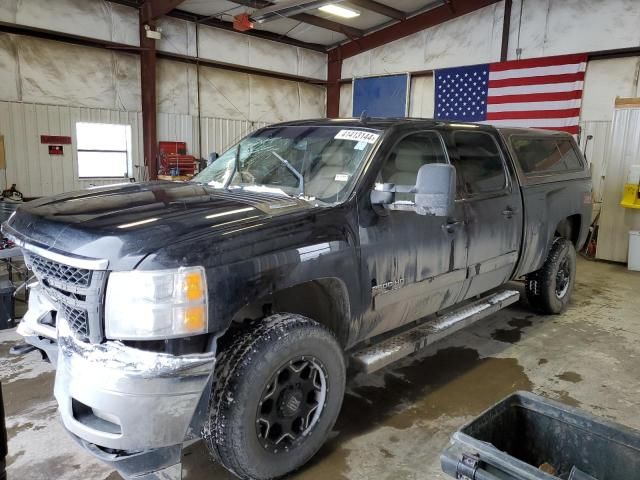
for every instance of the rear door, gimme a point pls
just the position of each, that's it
(493, 209)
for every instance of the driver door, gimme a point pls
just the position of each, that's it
(415, 265)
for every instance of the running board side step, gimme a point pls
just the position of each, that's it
(380, 355)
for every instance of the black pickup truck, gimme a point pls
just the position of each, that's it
(229, 307)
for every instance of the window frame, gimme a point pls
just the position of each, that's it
(409, 134)
(548, 173)
(128, 152)
(403, 137)
(462, 188)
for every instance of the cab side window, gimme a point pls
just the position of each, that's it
(541, 156)
(409, 154)
(479, 164)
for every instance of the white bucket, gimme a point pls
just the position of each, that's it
(634, 250)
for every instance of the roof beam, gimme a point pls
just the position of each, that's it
(127, 3)
(151, 10)
(415, 24)
(56, 36)
(380, 8)
(203, 62)
(217, 23)
(307, 18)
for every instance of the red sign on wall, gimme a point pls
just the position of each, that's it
(55, 139)
(55, 150)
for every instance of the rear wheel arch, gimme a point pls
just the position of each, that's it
(569, 228)
(549, 289)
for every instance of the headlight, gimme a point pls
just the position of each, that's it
(156, 304)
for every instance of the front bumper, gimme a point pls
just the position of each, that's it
(136, 400)
(115, 397)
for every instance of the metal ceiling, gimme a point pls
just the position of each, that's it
(313, 26)
(378, 22)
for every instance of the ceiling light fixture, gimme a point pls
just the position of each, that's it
(287, 8)
(339, 11)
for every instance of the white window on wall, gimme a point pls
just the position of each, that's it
(104, 150)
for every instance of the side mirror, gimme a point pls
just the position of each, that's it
(383, 194)
(435, 190)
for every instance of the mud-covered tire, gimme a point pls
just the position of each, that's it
(548, 290)
(249, 363)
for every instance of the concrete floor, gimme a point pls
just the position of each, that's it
(395, 423)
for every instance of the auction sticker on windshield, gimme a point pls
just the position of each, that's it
(357, 136)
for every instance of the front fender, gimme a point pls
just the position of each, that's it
(255, 262)
(240, 284)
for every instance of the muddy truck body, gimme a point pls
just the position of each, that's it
(229, 307)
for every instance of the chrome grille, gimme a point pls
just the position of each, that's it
(58, 271)
(77, 293)
(78, 320)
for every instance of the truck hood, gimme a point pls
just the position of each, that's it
(124, 223)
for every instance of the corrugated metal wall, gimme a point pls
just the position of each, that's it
(178, 128)
(36, 173)
(616, 221)
(218, 134)
(596, 153)
(29, 165)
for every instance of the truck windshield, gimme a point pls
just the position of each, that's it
(312, 162)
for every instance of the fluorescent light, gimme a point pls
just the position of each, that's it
(339, 11)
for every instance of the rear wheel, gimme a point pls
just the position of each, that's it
(549, 289)
(278, 392)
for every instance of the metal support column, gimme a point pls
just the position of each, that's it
(334, 73)
(148, 89)
(506, 27)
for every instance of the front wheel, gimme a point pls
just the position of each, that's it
(279, 389)
(549, 289)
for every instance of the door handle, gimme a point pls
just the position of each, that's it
(451, 225)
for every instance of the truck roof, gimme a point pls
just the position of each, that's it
(384, 123)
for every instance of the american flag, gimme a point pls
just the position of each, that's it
(540, 92)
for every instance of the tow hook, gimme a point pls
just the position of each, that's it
(21, 349)
(24, 348)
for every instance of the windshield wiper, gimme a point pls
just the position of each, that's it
(236, 168)
(292, 169)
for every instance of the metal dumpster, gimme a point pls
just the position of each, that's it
(524, 436)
